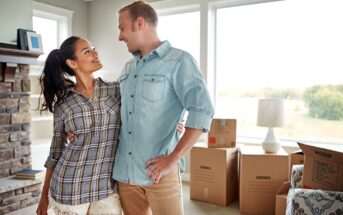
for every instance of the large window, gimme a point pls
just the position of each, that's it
(288, 49)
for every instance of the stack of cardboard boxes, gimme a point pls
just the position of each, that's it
(220, 171)
(214, 177)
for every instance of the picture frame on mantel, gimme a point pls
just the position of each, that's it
(34, 42)
(22, 42)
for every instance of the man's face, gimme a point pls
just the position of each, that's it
(128, 32)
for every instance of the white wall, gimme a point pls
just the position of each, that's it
(103, 33)
(18, 14)
(14, 14)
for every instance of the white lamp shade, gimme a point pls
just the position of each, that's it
(271, 113)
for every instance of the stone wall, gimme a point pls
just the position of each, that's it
(19, 198)
(15, 151)
(15, 119)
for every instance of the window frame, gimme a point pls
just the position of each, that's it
(62, 16)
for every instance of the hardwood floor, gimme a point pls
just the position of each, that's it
(190, 207)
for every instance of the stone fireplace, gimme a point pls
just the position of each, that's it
(15, 119)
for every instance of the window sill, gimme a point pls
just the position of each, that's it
(288, 145)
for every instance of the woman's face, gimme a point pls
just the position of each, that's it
(87, 59)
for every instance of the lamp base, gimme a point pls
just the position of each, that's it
(271, 144)
(271, 147)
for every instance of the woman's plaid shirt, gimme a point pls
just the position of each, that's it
(83, 169)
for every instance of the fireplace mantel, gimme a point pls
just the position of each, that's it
(18, 56)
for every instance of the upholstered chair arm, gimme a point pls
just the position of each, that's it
(296, 176)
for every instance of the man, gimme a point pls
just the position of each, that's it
(157, 86)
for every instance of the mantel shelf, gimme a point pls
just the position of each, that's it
(18, 56)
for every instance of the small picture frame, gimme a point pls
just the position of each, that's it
(22, 38)
(34, 42)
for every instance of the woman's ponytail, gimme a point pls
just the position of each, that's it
(54, 80)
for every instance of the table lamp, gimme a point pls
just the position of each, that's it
(271, 114)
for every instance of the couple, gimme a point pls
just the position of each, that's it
(138, 148)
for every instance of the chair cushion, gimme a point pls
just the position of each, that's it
(317, 202)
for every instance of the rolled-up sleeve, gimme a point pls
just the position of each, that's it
(191, 89)
(58, 140)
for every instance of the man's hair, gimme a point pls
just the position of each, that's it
(141, 9)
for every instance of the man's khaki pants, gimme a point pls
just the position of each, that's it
(164, 198)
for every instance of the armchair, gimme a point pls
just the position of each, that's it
(308, 201)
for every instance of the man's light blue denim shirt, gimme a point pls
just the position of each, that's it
(155, 93)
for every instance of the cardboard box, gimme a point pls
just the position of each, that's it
(261, 174)
(323, 168)
(222, 133)
(281, 198)
(296, 157)
(214, 177)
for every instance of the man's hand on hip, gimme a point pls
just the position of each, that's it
(161, 166)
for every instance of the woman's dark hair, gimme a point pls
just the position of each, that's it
(54, 80)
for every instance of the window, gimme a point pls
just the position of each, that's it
(53, 24)
(48, 29)
(282, 49)
(182, 31)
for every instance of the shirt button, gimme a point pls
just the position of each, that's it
(129, 132)
(131, 96)
(130, 113)
(130, 153)
(135, 76)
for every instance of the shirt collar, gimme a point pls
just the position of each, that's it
(163, 48)
(161, 51)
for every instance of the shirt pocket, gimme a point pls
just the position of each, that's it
(122, 82)
(112, 105)
(153, 87)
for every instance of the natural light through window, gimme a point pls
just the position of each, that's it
(47, 28)
(282, 49)
(182, 31)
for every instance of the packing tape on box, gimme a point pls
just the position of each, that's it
(206, 194)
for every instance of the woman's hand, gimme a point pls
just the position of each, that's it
(181, 128)
(43, 206)
(71, 137)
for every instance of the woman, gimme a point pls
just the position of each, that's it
(79, 173)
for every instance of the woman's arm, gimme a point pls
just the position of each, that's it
(44, 199)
